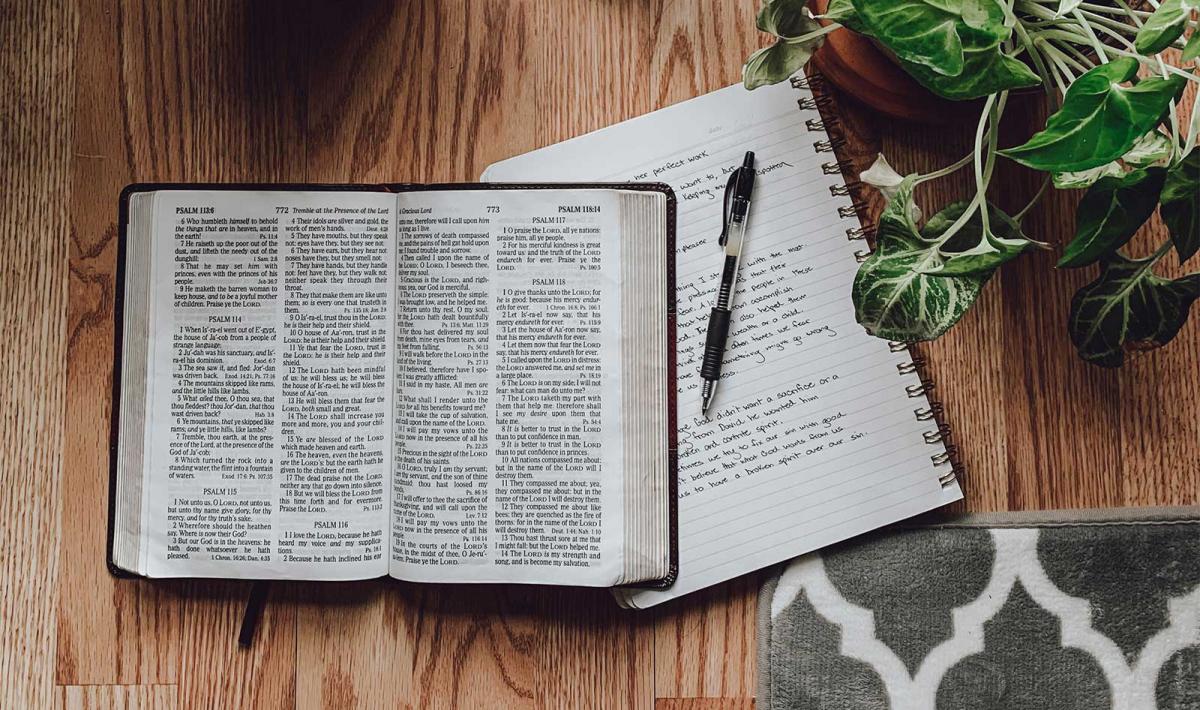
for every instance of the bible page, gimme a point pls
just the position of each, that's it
(269, 406)
(812, 438)
(507, 391)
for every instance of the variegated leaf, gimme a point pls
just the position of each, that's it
(893, 299)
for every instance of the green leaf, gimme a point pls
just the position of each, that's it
(883, 177)
(793, 27)
(1151, 149)
(928, 32)
(1085, 178)
(1191, 50)
(786, 18)
(843, 13)
(970, 250)
(1128, 308)
(1165, 26)
(1099, 120)
(892, 298)
(1181, 204)
(1109, 214)
(771, 65)
(985, 72)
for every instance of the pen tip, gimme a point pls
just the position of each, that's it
(748, 161)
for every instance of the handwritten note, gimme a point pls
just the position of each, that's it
(812, 438)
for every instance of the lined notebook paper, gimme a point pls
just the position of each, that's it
(819, 431)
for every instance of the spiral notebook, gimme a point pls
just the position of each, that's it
(819, 432)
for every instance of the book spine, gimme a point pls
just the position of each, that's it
(831, 140)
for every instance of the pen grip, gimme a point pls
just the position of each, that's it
(714, 344)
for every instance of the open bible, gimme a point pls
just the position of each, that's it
(442, 383)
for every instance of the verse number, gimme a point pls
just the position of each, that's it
(282, 210)
(493, 209)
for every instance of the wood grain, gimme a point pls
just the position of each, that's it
(116, 697)
(704, 704)
(108, 632)
(99, 94)
(166, 92)
(35, 165)
(705, 644)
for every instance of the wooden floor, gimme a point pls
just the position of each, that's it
(96, 94)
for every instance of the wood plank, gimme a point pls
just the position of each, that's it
(1051, 396)
(705, 643)
(109, 631)
(1160, 397)
(335, 623)
(214, 670)
(37, 61)
(116, 697)
(171, 92)
(593, 654)
(704, 704)
(476, 646)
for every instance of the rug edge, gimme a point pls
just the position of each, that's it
(1064, 517)
(763, 641)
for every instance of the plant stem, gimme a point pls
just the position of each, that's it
(1148, 61)
(1053, 67)
(1172, 114)
(1123, 10)
(994, 137)
(1084, 18)
(1159, 253)
(1193, 126)
(1136, 15)
(810, 36)
(985, 122)
(1025, 210)
(1081, 18)
(1062, 35)
(1061, 61)
(1127, 44)
(1174, 120)
(953, 167)
(1069, 34)
(1154, 63)
(1096, 43)
(1036, 55)
(1102, 21)
(1074, 51)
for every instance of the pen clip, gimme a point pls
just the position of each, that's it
(728, 200)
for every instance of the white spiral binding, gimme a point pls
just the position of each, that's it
(822, 102)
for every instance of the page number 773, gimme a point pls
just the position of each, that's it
(493, 209)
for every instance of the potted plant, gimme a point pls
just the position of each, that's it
(1118, 132)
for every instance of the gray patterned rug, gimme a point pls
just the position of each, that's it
(1071, 610)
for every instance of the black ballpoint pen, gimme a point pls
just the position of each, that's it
(733, 233)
